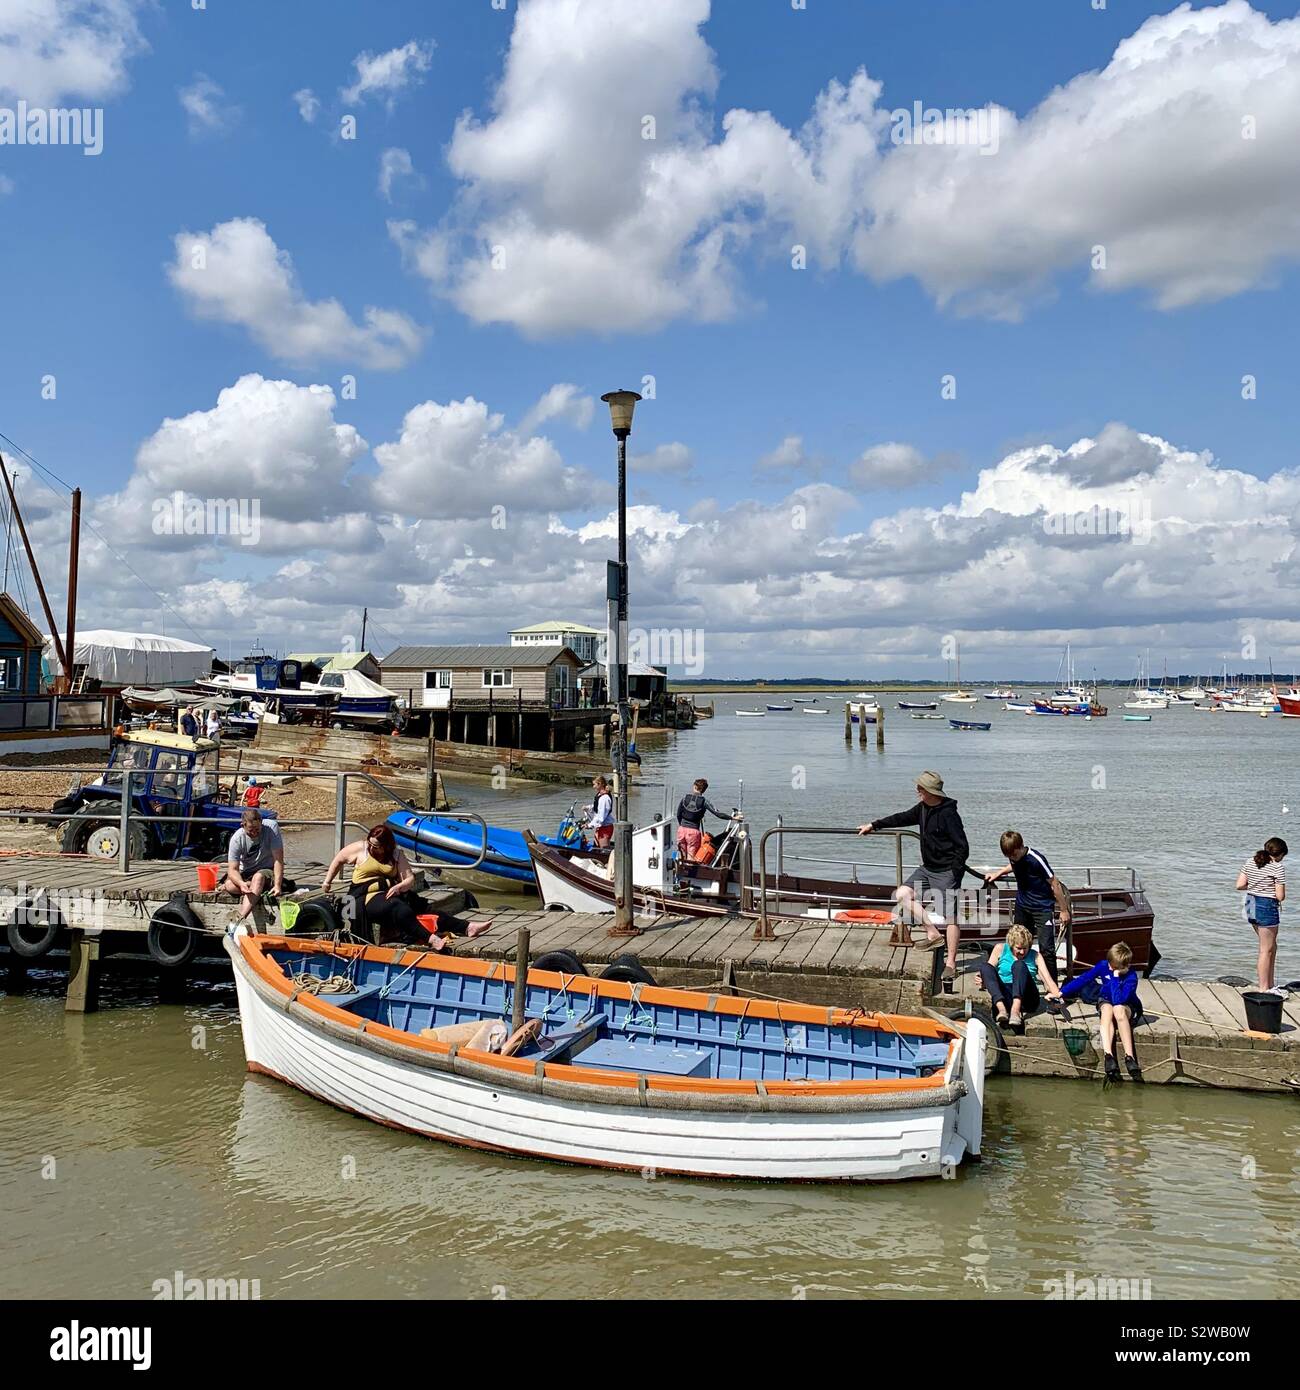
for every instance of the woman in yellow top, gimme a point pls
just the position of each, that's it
(382, 878)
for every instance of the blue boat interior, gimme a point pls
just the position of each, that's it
(622, 1034)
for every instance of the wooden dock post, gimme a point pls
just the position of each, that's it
(848, 722)
(431, 771)
(83, 972)
(862, 727)
(520, 997)
(880, 727)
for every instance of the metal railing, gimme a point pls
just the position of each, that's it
(781, 830)
(127, 815)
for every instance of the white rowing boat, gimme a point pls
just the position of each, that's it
(610, 1075)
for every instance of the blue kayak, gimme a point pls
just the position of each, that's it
(456, 843)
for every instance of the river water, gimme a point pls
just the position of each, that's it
(133, 1144)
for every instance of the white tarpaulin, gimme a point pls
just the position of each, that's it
(136, 658)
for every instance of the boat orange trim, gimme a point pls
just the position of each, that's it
(255, 951)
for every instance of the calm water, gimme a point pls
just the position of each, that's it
(168, 1156)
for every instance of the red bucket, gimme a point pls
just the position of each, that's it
(429, 921)
(207, 877)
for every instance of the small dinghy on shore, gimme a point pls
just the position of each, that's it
(608, 1074)
(458, 843)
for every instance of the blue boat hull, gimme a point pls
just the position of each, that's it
(457, 844)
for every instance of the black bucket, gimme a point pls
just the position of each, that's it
(1263, 1011)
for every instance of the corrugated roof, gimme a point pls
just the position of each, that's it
(449, 657)
(559, 627)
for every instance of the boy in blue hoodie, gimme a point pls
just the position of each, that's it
(1112, 984)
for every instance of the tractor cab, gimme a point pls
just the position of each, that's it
(173, 776)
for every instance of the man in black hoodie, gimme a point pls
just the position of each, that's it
(944, 851)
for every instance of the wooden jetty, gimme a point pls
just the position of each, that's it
(107, 912)
(1192, 1033)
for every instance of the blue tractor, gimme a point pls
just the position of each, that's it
(174, 777)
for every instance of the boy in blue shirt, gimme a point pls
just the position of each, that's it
(1041, 899)
(1112, 984)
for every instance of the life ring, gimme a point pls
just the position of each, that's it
(879, 915)
(174, 932)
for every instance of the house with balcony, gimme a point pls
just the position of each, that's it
(521, 696)
(583, 641)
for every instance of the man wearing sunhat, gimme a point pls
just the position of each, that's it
(944, 851)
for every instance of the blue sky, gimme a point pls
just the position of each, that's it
(845, 356)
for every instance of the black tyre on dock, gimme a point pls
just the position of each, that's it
(35, 927)
(174, 932)
(563, 962)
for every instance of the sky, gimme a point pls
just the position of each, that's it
(960, 328)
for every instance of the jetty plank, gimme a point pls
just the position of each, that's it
(823, 952)
(1217, 1011)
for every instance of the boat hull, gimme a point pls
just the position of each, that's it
(911, 1135)
(1102, 917)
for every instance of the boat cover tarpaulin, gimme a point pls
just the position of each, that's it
(137, 658)
(179, 697)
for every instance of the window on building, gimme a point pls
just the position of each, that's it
(498, 676)
(437, 680)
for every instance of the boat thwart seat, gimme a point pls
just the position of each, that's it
(620, 1054)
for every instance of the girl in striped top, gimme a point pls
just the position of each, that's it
(1264, 881)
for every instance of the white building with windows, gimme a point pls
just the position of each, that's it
(580, 639)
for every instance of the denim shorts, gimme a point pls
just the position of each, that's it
(1262, 911)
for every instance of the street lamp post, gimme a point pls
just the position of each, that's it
(621, 405)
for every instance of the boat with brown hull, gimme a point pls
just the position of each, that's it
(1108, 905)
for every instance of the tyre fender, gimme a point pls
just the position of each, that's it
(174, 931)
(563, 962)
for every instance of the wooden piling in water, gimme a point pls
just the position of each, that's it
(880, 728)
(848, 722)
(862, 726)
(83, 972)
(520, 997)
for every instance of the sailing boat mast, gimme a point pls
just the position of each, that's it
(59, 650)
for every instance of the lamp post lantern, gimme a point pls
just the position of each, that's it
(621, 405)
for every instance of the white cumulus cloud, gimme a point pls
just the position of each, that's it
(236, 274)
(1168, 171)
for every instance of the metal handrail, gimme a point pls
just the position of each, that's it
(781, 830)
(127, 814)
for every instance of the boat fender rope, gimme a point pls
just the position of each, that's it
(713, 1002)
(641, 1089)
(761, 1089)
(539, 1068)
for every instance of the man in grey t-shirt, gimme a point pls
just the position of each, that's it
(254, 861)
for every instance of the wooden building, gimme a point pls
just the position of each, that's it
(512, 696)
(363, 662)
(21, 645)
(32, 720)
